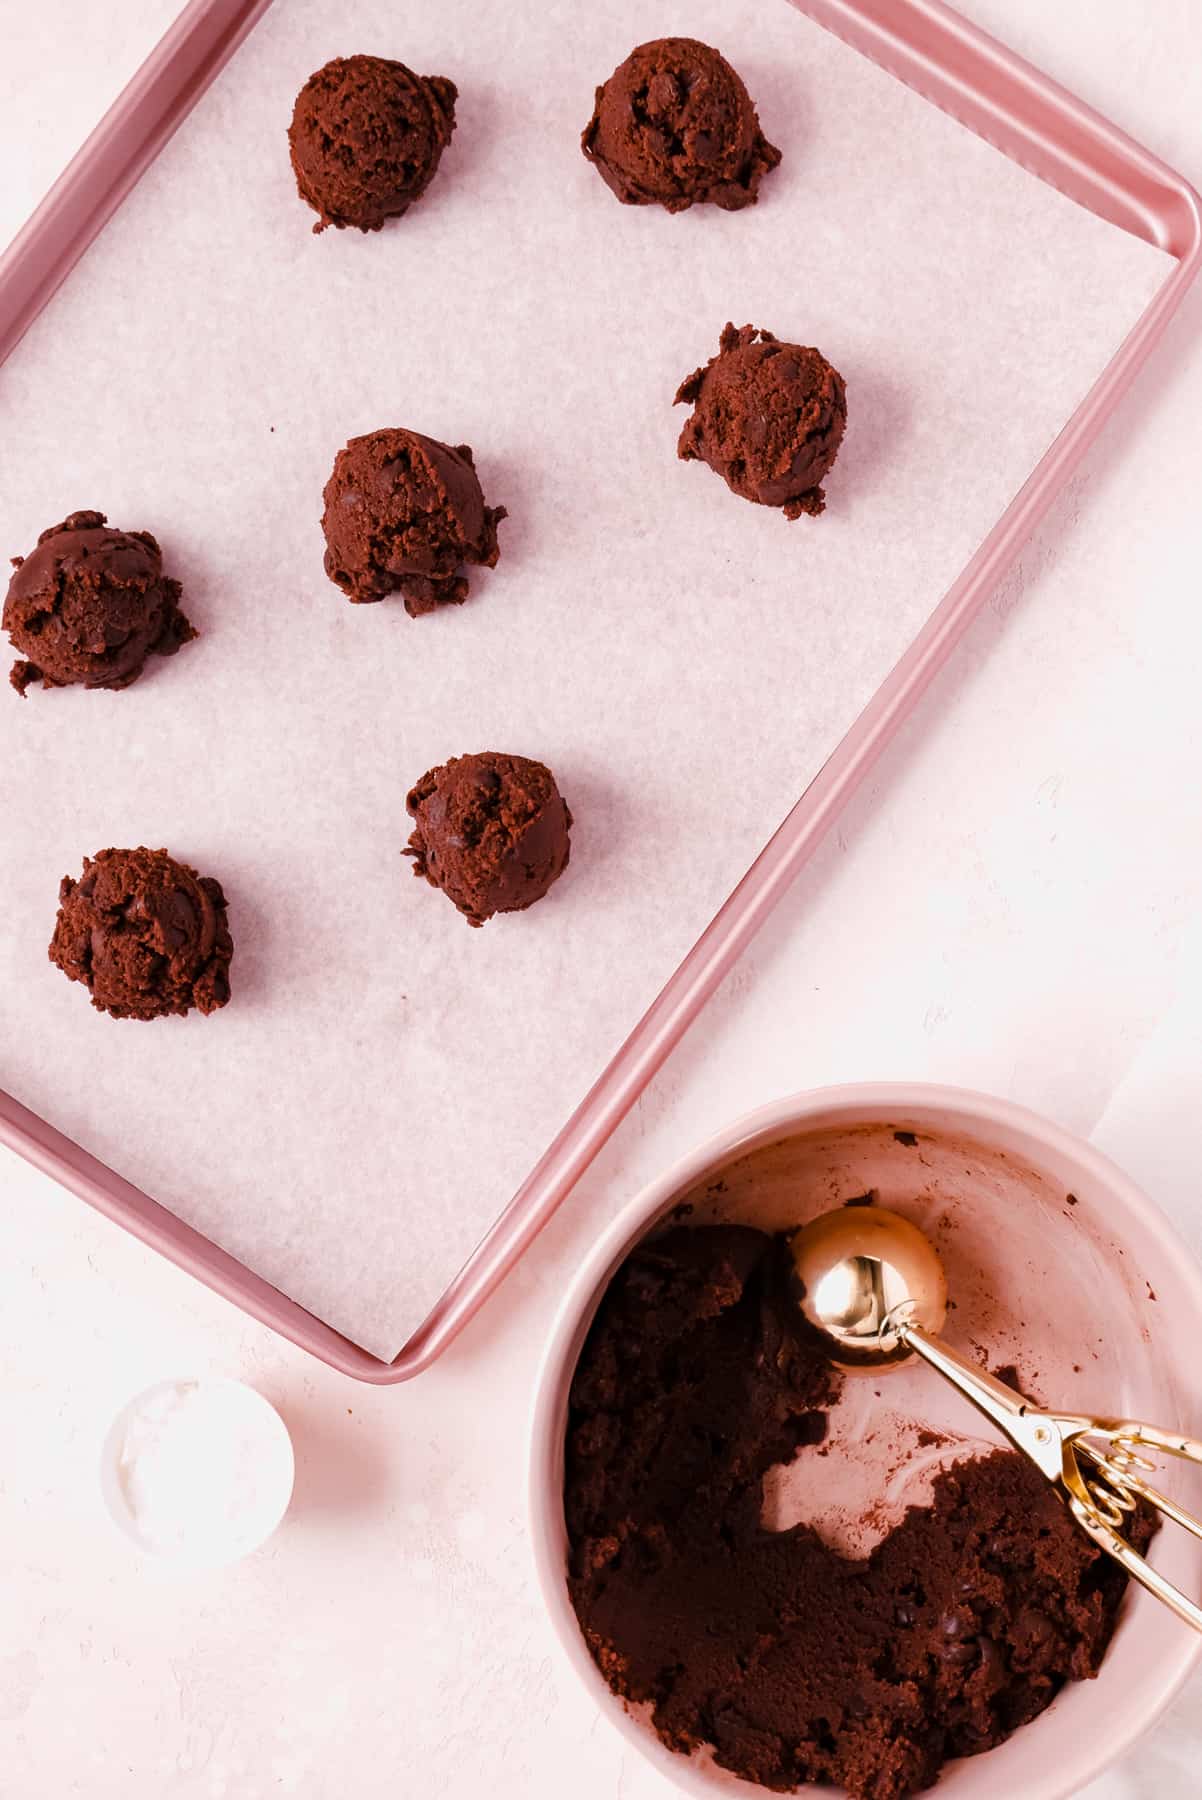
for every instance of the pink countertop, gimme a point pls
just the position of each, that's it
(1005, 908)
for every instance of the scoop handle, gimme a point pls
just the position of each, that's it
(1084, 1508)
(1171, 1443)
(1097, 1499)
(1027, 1428)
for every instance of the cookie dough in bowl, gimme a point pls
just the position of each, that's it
(1052, 1258)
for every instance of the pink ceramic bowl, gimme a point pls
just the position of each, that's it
(1058, 1263)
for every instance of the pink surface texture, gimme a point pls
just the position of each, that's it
(687, 664)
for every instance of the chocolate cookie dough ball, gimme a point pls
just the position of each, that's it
(768, 417)
(673, 126)
(89, 605)
(366, 137)
(491, 831)
(402, 514)
(145, 934)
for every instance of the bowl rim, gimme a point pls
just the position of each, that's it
(976, 1111)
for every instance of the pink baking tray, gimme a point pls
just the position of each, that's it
(986, 88)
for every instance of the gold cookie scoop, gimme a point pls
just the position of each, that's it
(872, 1286)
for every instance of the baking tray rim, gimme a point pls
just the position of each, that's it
(993, 92)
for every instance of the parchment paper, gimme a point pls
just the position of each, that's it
(385, 1076)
